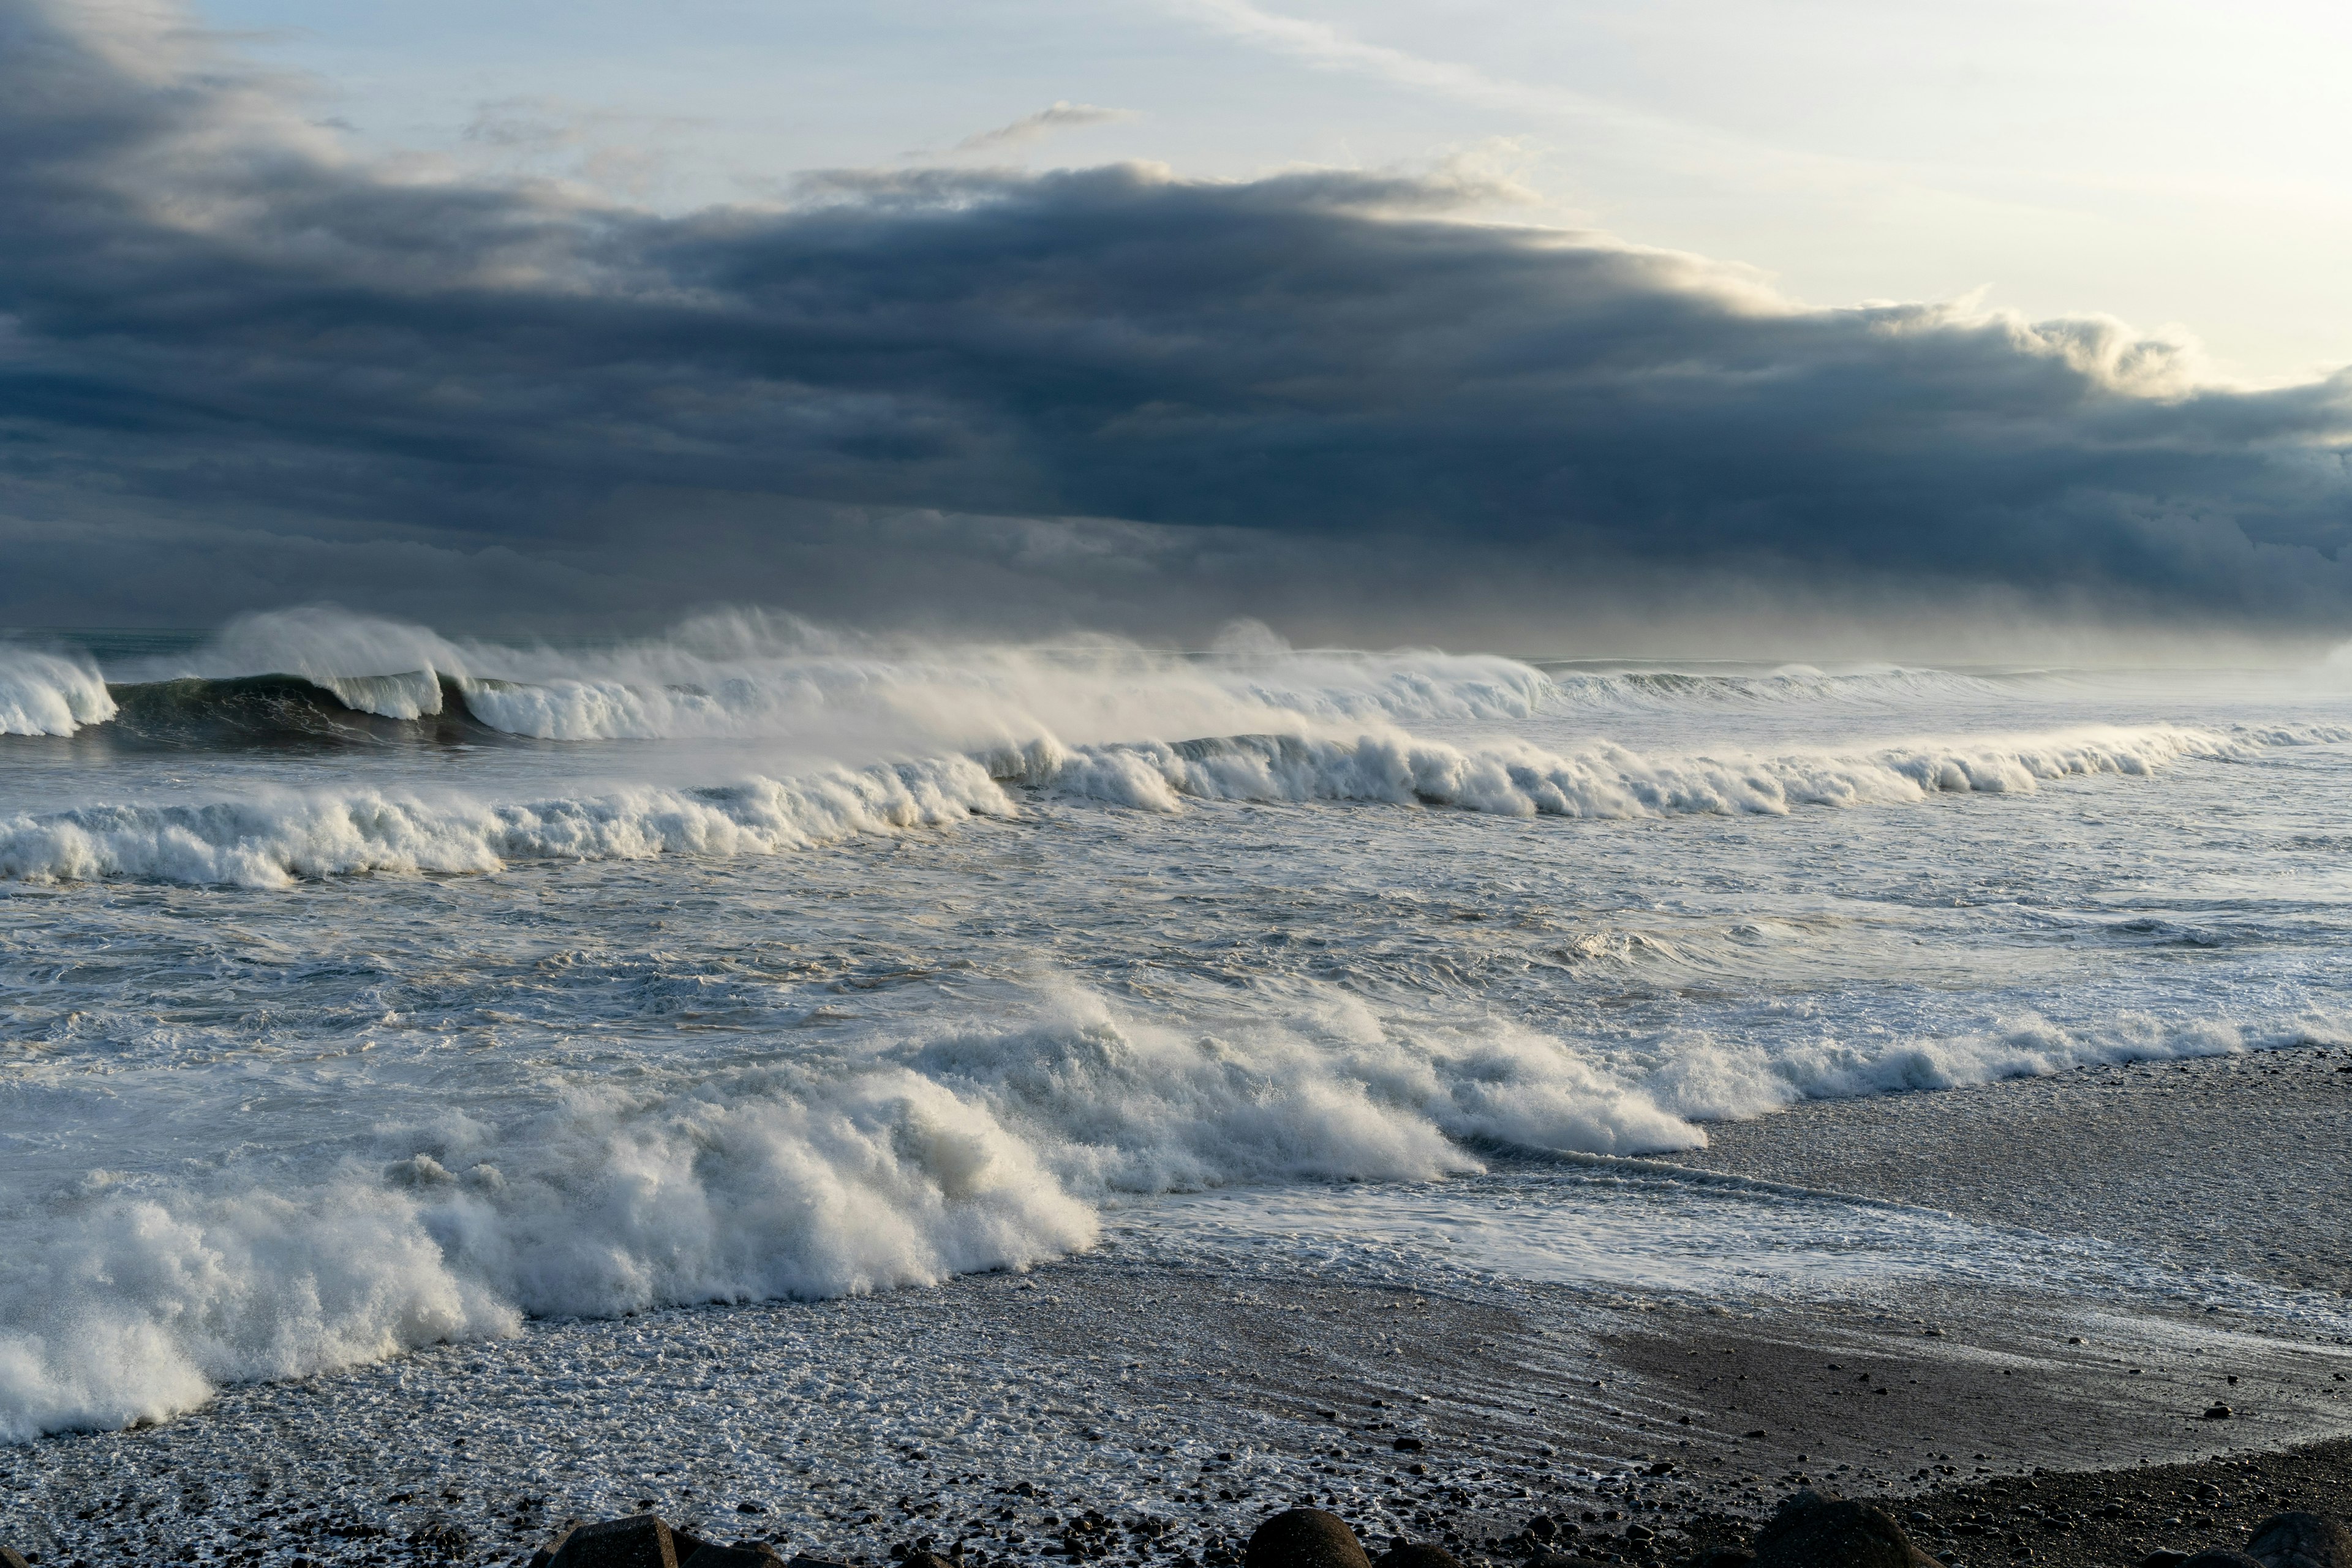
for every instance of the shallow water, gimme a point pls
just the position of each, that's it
(750, 965)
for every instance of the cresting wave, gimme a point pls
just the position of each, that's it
(830, 1174)
(813, 1177)
(50, 694)
(640, 698)
(1610, 780)
(305, 676)
(276, 839)
(315, 677)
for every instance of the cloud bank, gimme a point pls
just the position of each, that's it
(239, 366)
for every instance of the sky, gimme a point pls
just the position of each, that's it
(2133, 159)
(1554, 325)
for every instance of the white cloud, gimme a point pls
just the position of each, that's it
(1062, 116)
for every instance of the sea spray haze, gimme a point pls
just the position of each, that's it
(369, 987)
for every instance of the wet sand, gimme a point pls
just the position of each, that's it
(2243, 1164)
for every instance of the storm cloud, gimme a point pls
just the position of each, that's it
(238, 366)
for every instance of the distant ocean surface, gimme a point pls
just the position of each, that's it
(361, 988)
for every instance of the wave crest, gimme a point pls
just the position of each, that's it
(816, 1178)
(1610, 780)
(276, 840)
(50, 694)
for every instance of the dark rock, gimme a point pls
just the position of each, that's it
(1542, 1527)
(2220, 1557)
(546, 1554)
(744, 1554)
(1724, 1557)
(2217, 1412)
(800, 1560)
(640, 1541)
(2301, 1540)
(1418, 1554)
(8, 1559)
(1305, 1538)
(1811, 1530)
(926, 1560)
(1407, 1445)
(686, 1545)
(748, 1506)
(437, 1541)
(1559, 1560)
(2164, 1558)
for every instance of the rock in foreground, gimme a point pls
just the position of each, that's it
(1417, 1554)
(640, 1541)
(2301, 1540)
(1305, 1538)
(1814, 1531)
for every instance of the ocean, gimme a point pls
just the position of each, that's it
(390, 1014)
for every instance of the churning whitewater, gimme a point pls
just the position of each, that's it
(368, 987)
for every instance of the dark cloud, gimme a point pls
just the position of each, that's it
(233, 359)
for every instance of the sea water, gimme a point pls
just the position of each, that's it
(366, 988)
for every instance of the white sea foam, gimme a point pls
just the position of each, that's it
(833, 1173)
(1606, 780)
(363, 1116)
(277, 838)
(820, 1176)
(412, 694)
(50, 694)
(280, 837)
(1707, 1077)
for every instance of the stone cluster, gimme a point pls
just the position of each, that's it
(1809, 1530)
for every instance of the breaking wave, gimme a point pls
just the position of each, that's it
(835, 1173)
(812, 1177)
(313, 678)
(273, 840)
(1610, 780)
(276, 838)
(50, 694)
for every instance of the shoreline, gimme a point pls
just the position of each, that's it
(1205, 1395)
(2240, 1162)
(1211, 1423)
